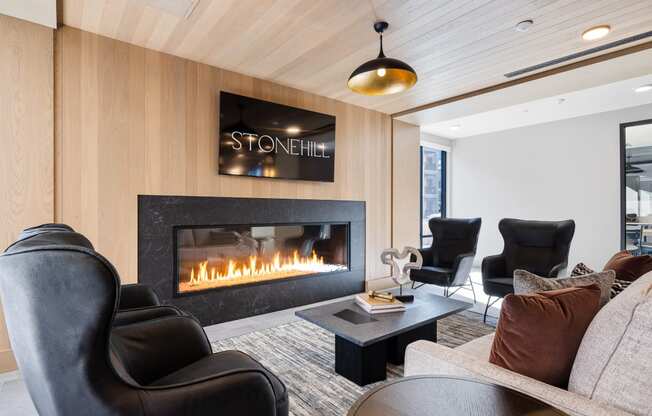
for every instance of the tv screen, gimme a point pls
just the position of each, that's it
(263, 139)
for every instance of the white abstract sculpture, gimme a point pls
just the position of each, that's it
(401, 275)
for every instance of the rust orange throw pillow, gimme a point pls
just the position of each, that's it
(628, 267)
(538, 334)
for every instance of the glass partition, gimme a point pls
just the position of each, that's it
(636, 193)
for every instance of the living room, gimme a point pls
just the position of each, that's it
(325, 207)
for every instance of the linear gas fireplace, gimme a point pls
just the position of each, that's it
(222, 259)
(217, 257)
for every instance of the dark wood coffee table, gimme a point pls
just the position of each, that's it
(435, 395)
(364, 343)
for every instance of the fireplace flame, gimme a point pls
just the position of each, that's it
(255, 269)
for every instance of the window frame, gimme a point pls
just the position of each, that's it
(444, 186)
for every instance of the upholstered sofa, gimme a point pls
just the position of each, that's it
(612, 372)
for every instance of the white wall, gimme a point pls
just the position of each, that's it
(552, 171)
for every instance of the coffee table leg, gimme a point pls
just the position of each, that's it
(396, 345)
(361, 365)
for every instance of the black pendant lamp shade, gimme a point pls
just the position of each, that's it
(382, 76)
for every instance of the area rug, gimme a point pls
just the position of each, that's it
(302, 355)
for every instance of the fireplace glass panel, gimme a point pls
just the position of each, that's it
(225, 256)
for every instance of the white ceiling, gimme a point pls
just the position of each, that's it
(593, 89)
(314, 45)
(43, 12)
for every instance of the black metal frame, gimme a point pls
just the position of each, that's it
(447, 293)
(623, 141)
(489, 305)
(444, 190)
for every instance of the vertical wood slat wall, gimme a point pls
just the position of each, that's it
(87, 123)
(135, 121)
(26, 137)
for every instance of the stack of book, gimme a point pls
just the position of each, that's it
(375, 304)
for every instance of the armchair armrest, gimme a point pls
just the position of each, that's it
(493, 266)
(554, 272)
(130, 316)
(149, 350)
(239, 392)
(137, 296)
(426, 254)
(462, 268)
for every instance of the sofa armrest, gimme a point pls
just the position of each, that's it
(424, 357)
(137, 296)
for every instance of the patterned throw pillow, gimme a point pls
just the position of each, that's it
(581, 269)
(526, 282)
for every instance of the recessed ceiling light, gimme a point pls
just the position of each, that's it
(293, 130)
(644, 88)
(596, 32)
(524, 26)
(455, 127)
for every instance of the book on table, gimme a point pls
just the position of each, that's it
(377, 305)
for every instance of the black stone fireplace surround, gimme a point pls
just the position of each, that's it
(159, 215)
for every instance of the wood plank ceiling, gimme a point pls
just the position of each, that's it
(313, 45)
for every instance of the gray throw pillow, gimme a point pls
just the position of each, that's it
(526, 282)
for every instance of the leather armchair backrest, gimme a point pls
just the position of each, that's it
(452, 237)
(59, 302)
(44, 228)
(49, 234)
(535, 246)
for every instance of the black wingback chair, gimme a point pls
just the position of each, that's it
(137, 301)
(540, 247)
(60, 299)
(449, 260)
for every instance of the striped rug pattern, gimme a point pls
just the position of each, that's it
(302, 355)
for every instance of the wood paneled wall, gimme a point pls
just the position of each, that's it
(26, 137)
(405, 181)
(134, 121)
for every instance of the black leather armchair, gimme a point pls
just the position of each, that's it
(449, 260)
(60, 300)
(539, 247)
(137, 302)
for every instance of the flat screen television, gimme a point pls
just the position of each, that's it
(263, 139)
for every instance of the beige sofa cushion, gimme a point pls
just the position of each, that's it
(614, 362)
(479, 348)
(425, 357)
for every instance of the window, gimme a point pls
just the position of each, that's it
(636, 185)
(433, 189)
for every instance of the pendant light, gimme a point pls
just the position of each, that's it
(382, 76)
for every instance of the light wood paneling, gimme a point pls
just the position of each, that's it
(134, 121)
(405, 183)
(314, 45)
(26, 136)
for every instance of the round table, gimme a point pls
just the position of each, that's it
(439, 395)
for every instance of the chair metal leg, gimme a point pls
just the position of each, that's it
(489, 304)
(486, 308)
(446, 291)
